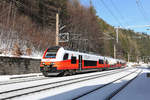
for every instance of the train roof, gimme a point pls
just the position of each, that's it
(65, 48)
(86, 53)
(54, 48)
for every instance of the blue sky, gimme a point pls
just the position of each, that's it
(124, 13)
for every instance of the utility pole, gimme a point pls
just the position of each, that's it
(117, 34)
(137, 58)
(116, 42)
(57, 29)
(128, 57)
(114, 51)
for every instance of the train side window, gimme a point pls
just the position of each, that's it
(101, 61)
(65, 56)
(73, 60)
(90, 63)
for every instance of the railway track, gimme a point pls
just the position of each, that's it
(103, 86)
(51, 85)
(14, 81)
(121, 88)
(25, 79)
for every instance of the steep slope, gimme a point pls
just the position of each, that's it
(28, 26)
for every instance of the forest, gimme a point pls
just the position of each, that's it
(28, 27)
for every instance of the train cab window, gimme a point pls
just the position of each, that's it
(50, 55)
(51, 52)
(73, 60)
(65, 56)
(101, 61)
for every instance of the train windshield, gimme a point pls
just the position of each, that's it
(50, 55)
(51, 52)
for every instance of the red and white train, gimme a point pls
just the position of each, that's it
(58, 60)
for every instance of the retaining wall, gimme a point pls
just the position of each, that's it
(16, 65)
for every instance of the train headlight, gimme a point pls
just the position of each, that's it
(52, 63)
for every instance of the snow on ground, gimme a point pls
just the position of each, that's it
(32, 57)
(139, 89)
(9, 77)
(70, 91)
(131, 64)
(103, 93)
(23, 56)
(51, 79)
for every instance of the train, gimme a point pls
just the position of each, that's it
(62, 61)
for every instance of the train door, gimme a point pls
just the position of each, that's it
(80, 62)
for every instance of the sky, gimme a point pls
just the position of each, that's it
(133, 14)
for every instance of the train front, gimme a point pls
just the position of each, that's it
(49, 61)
